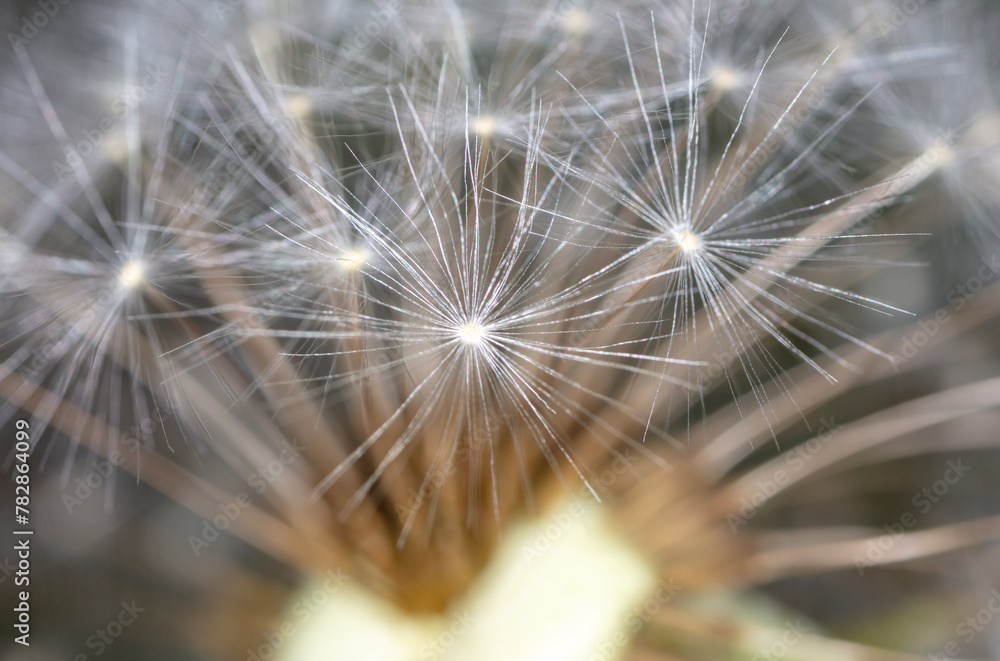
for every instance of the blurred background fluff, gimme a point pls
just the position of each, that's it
(568, 330)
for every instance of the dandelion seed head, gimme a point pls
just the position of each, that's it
(465, 262)
(132, 274)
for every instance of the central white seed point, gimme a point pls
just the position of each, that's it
(939, 155)
(485, 125)
(725, 79)
(471, 333)
(132, 274)
(353, 259)
(577, 22)
(298, 106)
(688, 241)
